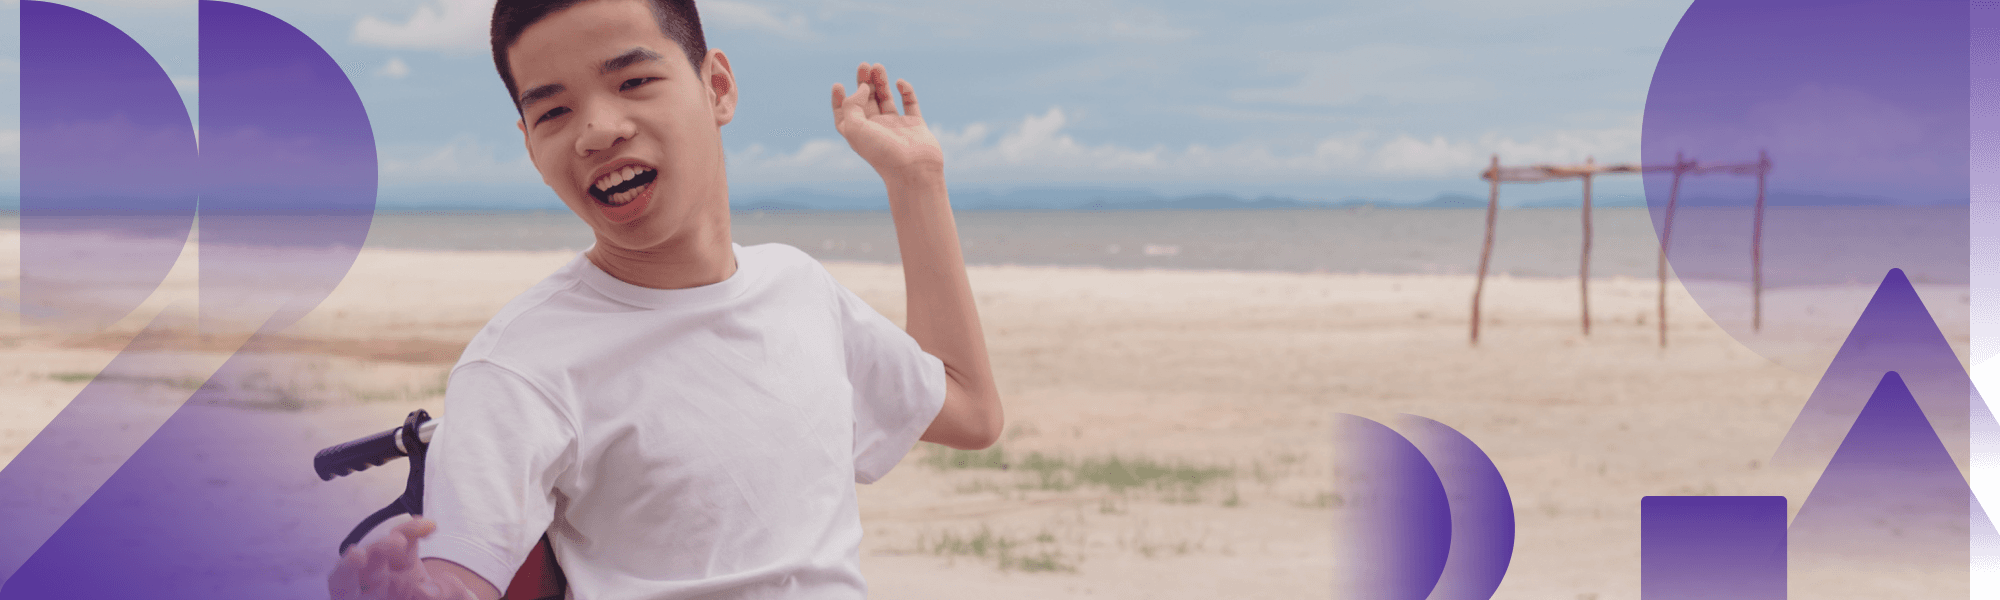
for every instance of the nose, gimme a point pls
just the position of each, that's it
(603, 129)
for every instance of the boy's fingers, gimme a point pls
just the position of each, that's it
(880, 78)
(401, 544)
(345, 582)
(909, 98)
(839, 94)
(865, 93)
(379, 559)
(418, 527)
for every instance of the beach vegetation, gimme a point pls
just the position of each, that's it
(1323, 500)
(1176, 482)
(1041, 553)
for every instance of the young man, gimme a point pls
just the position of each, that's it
(684, 417)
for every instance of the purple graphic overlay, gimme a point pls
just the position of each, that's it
(1712, 548)
(1985, 275)
(1394, 528)
(289, 170)
(1891, 497)
(1894, 333)
(107, 170)
(1861, 108)
(207, 506)
(1482, 512)
(79, 449)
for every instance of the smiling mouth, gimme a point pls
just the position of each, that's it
(622, 186)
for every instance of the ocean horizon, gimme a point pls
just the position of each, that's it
(1711, 243)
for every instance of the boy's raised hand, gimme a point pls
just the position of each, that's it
(896, 145)
(388, 569)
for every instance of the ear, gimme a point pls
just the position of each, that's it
(522, 124)
(721, 86)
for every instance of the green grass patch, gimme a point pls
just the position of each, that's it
(945, 459)
(1038, 555)
(1174, 481)
(77, 377)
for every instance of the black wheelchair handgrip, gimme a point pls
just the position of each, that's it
(372, 451)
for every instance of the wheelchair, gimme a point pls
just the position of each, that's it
(539, 577)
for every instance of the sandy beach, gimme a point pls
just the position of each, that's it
(1213, 392)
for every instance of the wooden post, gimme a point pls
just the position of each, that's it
(1757, 248)
(1486, 251)
(1583, 272)
(1666, 238)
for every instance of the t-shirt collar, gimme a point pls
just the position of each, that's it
(647, 297)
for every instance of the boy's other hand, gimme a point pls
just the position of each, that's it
(896, 145)
(388, 569)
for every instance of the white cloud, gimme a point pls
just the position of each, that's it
(456, 26)
(462, 159)
(730, 14)
(187, 85)
(1440, 157)
(394, 69)
(1038, 149)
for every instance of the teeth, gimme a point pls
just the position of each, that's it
(620, 198)
(614, 178)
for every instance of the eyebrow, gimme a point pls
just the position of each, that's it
(541, 93)
(629, 58)
(613, 65)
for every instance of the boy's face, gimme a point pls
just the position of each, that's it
(621, 126)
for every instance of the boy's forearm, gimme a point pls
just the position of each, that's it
(942, 316)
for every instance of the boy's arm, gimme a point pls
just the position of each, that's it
(941, 315)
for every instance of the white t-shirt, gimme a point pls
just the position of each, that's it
(700, 442)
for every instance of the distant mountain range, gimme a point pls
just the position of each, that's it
(1112, 199)
(1087, 199)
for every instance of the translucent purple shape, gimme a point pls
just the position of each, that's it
(108, 177)
(1712, 548)
(1891, 496)
(1895, 333)
(1862, 109)
(1394, 524)
(1482, 512)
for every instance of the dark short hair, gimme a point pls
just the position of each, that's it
(677, 19)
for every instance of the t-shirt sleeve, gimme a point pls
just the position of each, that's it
(494, 460)
(898, 387)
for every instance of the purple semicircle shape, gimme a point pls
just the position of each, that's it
(1393, 523)
(93, 102)
(289, 170)
(1862, 108)
(1482, 512)
(207, 507)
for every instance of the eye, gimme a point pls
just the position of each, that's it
(553, 113)
(635, 82)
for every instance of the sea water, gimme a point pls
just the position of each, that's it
(1801, 246)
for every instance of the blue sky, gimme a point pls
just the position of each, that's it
(1396, 101)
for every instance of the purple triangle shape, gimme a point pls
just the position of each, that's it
(1891, 495)
(1894, 333)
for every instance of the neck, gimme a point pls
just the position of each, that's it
(685, 261)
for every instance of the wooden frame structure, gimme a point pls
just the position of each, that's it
(1589, 170)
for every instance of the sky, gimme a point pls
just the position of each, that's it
(1392, 101)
